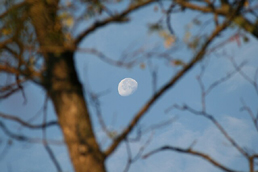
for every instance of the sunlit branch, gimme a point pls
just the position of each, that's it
(115, 18)
(191, 152)
(240, 20)
(9, 69)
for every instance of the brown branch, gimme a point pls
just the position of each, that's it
(225, 11)
(169, 85)
(191, 152)
(26, 124)
(25, 138)
(205, 9)
(9, 69)
(14, 7)
(116, 18)
(9, 93)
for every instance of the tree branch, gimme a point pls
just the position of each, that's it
(116, 18)
(191, 152)
(25, 138)
(26, 124)
(240, 20)
(14, 7)
(217, 124)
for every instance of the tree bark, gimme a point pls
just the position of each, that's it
(61, 82)
(66, 93)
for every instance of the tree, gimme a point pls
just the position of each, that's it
(39, 42)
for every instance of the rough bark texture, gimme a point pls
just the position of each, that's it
(66, 92)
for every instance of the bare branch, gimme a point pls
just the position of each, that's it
(26, 124)
(115, 18)
(96, 103)
(250, 112)
(240, 20)
(191, 152)
(9, 69)
(225, 78)
(217, 124)
(106, 59)
(25, 138)
(132, 159)
(246, 77)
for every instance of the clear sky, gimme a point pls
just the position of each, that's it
(98, 76)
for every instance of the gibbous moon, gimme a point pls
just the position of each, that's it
(127, 87)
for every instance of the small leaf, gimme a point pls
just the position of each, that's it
(6, 31)
(178, 62)
(69, 21)
(169, 41)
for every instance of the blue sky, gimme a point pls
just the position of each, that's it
(98, 76)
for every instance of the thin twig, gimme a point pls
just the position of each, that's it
(45, 143)
(216, 123)
(27, 124)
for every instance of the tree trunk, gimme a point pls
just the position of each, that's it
(67, 95)
(63, 87)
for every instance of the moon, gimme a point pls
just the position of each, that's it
(127, 86)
